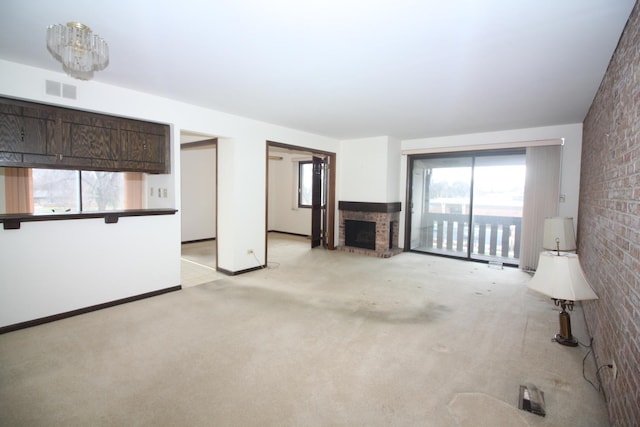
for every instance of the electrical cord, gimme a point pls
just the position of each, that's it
(258, 261)
(584, 375)
(598, 388)
(269, 264)
(587, 346)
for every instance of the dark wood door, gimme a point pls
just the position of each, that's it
(316, 202)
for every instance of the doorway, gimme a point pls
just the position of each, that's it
(467, 205)
(301, 193)
(198, 209)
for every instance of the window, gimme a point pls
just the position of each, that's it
(83, 191)
(102, 191)
(56, 190)
(305, 183)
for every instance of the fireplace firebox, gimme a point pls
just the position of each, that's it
(360, 234)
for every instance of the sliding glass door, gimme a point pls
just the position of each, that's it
(440, 205)
(467, 206)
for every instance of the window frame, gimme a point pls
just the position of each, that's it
(301, 164)
(84, 200)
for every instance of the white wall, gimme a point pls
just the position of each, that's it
(156, 264)
(393, 170)
(570, 176)
(370, 170)
(48, 268)
(198, 190)
(284, 213)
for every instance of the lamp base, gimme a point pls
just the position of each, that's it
(570, 342)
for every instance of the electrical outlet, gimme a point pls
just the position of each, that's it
(164, 193)
(614, 369)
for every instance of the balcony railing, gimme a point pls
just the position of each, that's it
(493, 237)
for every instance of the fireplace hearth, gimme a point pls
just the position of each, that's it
(369, 228)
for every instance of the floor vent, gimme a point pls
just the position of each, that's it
(531, 399)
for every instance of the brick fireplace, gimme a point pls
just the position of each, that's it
(369, 228)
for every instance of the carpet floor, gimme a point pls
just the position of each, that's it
(319, 338)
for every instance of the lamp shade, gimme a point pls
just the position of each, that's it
(561, 277)
(558, 230)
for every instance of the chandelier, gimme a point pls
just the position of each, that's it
(79, 50)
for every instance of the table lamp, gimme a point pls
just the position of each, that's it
(560, 276)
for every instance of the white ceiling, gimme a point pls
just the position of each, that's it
(347, 68)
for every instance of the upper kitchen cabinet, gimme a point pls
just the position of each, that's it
(25, 130)
(144, 146)
(36, 135)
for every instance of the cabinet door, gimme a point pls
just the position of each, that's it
(28, 135)
(39, 126)
(143, 147)
(144, 152)
(23, 134)
(11, 131)
(87, 137)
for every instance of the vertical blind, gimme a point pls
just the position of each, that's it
(541, 195)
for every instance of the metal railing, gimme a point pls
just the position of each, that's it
(491, 236)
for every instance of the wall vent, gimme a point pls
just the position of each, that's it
(69, 91)
(54, 88)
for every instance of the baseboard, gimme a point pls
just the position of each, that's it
(53, 318)
(235, 273)
(199, 240)
(291, 234)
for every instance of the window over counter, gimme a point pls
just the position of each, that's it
(57, 190)
(39, 191)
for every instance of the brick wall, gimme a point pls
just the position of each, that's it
(609, 224)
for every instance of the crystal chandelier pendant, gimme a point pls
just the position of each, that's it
(79, 50)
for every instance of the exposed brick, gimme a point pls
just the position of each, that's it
(383, 221)
(610, 211)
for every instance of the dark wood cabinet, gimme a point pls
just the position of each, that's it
(26, 130)
(91, 139)
(35, 135)
(143, 145)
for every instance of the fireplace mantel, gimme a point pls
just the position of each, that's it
(370, 207)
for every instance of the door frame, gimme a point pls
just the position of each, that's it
(329, 232)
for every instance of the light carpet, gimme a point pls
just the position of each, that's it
(320, 338)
